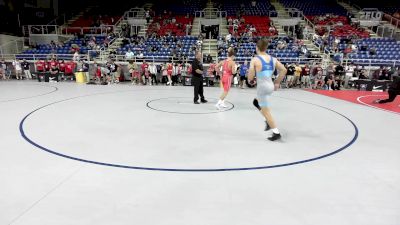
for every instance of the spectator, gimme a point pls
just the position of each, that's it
(363, 74)
(290, 75)
(297, 73)
(339, 75)
(18, 69)
(305, 76)
(76, 57)
(54, 73)
(27, 69)
(3, 69)
(153, 73)
(147, 15)
(129, 55)
(349, 74)
(372, 51)
(140, 56)
(145, 72)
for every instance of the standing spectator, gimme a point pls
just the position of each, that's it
(112, 76)
(18, 69)
(349, 74)
(339, 75)
(305, 76)
(297, 73)
(169, 73)
(3, 70)
(27, 69)
(290, 75)
(76, 57)
(153, 73)
(145, 72)
(147, 15)
(132, 68)
(243, 73)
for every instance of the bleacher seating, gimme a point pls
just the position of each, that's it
(162, 54)
(179, 7)
(176, 29)
(261, 23)
(262, 8)
(65, 52)
(386, 49)
(245, 51)
(316, 7)
(348, 30)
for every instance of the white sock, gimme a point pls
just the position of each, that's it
(275, 130)
(219, 102)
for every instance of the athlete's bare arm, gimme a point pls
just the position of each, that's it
(252, 69)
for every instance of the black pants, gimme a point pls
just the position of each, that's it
(198, 88)
(392, 97)
(153, 79)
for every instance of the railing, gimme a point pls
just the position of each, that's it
(42, 29)
(134, 13)
(120, 59)
(392, 20)
(60, 20)
(211, 13)
(348, 2)
(12, 47)
(102, 30)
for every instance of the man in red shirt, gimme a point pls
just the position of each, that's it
(53, 63)
(69, 69)
(169, 73)
(305, 76)
(40, 66)
(61, 66)
(145, 71)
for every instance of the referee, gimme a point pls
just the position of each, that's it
(197, 78)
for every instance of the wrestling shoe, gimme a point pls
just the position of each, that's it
(196, 103)
(223, 105)
(218, 106)
(274, 137)
(204, 101)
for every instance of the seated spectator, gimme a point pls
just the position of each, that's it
(372, 51)
(129, 55)
(363, 74)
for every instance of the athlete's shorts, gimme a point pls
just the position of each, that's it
(264, 91)
(227, 83)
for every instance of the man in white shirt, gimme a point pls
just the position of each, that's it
(129, 55)
(18, 69)
(349, 74)
(228, 38)
(153, 72)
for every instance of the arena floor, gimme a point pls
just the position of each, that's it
(123, 154)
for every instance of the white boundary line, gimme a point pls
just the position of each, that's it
(366, 104)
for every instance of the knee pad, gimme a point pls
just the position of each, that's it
(255, 103)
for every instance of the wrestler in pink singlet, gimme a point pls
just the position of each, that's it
(226, 76)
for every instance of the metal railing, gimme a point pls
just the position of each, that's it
(392, 20)
(41, 29)
(12, 47)
(102, 30)
(211, 13)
